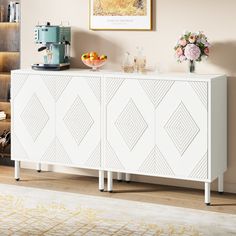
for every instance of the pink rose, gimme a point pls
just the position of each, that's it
(182, 42)
(206, 51)
(192, 52)
(179, 52)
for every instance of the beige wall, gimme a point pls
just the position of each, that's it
(217, 18)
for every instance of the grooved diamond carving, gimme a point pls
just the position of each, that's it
(162, 166)
(19, 82)
(112, 86)
(112, 162)
(34, 117)
(149, 165)
(78, 120)
(56, 84)
(56, 153)
(200, 89)
(200, 170)
(156, 90)
(181, 128)
(131, 124)
(156, 164)
(95, 157)
(95, 85)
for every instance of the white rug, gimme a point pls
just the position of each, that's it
(28, 211)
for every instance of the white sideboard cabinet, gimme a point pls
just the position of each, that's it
(172, 126)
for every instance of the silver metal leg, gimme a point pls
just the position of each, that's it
(119, 176)
(127, 177)
(17, 170)
(221, 183)
(109, 181)
(101, 180)
(208, 194)
(39, 167)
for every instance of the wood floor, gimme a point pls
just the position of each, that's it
(158, 194)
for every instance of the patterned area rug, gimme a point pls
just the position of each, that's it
(28, 211)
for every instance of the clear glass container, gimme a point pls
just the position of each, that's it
(128, 63)
(140, 61)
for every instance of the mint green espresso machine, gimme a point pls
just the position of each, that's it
(55, 43)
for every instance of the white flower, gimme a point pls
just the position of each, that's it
(203, 40)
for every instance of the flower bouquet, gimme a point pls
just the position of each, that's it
(192, 47)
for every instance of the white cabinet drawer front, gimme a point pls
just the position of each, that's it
(182, 129)
(33, 117)
(130, 125)
(78, 121)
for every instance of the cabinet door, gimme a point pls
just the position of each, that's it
(181, 131)
(78, 118)
(33, 108)
(130, 125)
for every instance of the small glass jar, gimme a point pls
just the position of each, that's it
(140, 61)
(128, 63)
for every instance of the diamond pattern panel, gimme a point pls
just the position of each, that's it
(182, 128)
(113, 161)
(200, 170)
(131, 124)
(156, 90)
(34, 117)
(19, 81)
(162, 166)
(78, 120)
(156, 164)
(95, 157)
(56, 153)
(56, 84)
(149, 165)
(200, 89)
(95, 85)
(112, 86)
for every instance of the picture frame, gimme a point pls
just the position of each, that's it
(120, 15)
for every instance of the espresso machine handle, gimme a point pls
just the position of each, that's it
(42, 48)
(67, 43)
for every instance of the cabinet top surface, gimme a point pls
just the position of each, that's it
(122, 75)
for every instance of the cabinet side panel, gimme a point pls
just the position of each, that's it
(218, 127)
(17, 150)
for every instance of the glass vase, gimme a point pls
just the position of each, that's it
(191, 66)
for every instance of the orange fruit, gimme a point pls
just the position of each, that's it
(93, 54)
(103, 57)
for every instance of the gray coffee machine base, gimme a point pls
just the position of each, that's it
(51, 67)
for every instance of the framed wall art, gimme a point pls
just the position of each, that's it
(121, 14)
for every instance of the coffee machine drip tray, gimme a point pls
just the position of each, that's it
(52, 67)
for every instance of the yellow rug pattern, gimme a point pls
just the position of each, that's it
(28, 211)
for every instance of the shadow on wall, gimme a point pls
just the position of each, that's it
(231, 129)
(83, 42)
(223, 54)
